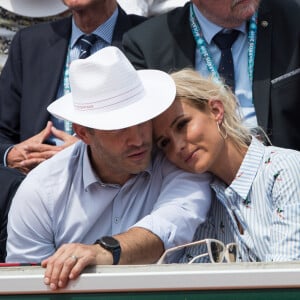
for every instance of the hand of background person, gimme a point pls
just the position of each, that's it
(28, 154)
(69, 261)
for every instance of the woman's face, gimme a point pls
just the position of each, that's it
(190, 137)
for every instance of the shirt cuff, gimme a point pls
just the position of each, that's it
(5, 155)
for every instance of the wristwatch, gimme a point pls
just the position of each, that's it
(112, 245)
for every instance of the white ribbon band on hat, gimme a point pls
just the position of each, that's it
(116, 102)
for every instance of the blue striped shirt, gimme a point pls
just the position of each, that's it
(265, 198)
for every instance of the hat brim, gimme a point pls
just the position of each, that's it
(34, 8)
(160, 92)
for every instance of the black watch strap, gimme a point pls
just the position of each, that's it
(112, 245)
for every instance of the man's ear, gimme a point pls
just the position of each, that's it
(82, 133)
(217, 109)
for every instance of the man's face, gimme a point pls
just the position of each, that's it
(118, 154)
(227, 13)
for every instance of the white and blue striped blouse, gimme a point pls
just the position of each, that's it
(265, 199)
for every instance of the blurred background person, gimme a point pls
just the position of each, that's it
(16, 14)
(252, 46)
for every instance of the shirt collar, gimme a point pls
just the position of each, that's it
(104, 31)
(248, 169)
(88, 175)
(210, 29)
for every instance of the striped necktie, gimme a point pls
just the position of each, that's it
(86, 42)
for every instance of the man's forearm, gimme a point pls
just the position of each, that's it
(139, 246)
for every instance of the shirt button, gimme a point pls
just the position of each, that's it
(116, 220)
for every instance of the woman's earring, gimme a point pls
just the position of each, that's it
(223, 135)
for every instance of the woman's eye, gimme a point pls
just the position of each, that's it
(162, 144)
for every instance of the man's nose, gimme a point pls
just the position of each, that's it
(179, 144)
(136, 135)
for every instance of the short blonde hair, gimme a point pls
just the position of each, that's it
(196, 90)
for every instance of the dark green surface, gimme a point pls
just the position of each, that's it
(269, 294)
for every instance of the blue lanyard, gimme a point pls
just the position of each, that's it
(202, 45)
(67, 89)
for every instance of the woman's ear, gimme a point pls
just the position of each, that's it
(217, 110)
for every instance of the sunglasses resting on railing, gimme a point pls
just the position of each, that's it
(217, 251)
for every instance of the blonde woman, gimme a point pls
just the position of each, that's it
(257, 187)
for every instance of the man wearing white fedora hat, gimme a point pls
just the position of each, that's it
(36, 73)
(108, 199)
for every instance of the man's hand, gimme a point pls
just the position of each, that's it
(69, 261)
(28, 154)
(139, 246)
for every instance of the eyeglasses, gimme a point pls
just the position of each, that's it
(217, 251)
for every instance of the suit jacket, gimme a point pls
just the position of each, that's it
(170, 46)
(31, 76)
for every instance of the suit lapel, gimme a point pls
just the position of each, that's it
(184, 43)
(262, 69)
(56, 53)
(52, 64)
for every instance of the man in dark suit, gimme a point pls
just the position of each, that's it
(272, 97)
(36, 73)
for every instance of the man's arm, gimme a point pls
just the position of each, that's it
(10, 98)
(138, 246)
(183, 203)
(25, 92)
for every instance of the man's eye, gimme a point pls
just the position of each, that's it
(181, 124)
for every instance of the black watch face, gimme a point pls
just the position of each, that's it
(110, 241)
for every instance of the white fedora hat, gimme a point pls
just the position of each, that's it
(109, 94)
(34, 8)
